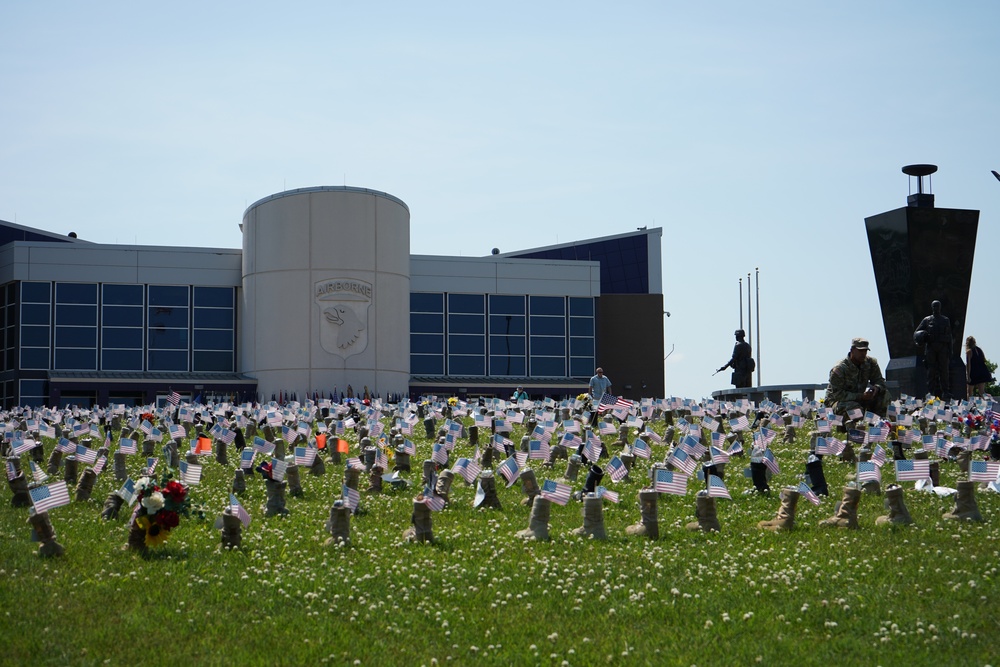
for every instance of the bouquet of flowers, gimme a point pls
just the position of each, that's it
(158, 510)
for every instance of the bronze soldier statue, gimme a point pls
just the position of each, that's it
(741, 362)
(934, 334)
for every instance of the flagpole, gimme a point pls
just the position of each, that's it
(757, 278)
(741, 303)
(749, 329)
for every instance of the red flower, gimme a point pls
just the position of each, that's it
(175, 491)
(167, 519)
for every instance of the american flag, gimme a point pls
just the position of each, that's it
(11, 470)
(981, 442)
(409, 447)
(592, 450)
(127, 492)
(262, 446)
(37, 473)
(616, 469)
(606, 428)
(21, 446)
(822, 426)
(983, 471)
(146, 427)
(641, 449)
(47, 430)
(538, 450)
(355, 462)
(912, 471)
(868, 471)
(351, 497)
(653, 435)
(50, 496)
(603, 492)
(469, 469)
(190, 473)
(571, 441)
(878, 456)
(67, 446)
(571, 426)
(857, 436)
(228, 436)
(381, 459)
(510, 470)
(99, 464)
(992, 412)
(767, 458)
(150, 468)
(609, 402)
(681, 459)
(278, 468)
(669, 481)
(693, 446)
(85, 454)
(556, 492)
(855, 413)
(718, 456)
(708, 423)
(246, 458)
(499, 443)
(717, 488)
(236, 508)
(439, 454)
(739, 424)
(127, 446)
(432, 500)
(176, 432)
(174, 398)
(289, 435)
(809, 494)
(763, 437)
(875, 434)
(305, 456)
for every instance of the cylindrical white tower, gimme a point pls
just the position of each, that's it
(326, 292)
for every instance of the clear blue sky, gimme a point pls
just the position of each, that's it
(755, 134)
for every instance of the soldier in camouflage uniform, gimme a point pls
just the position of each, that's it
(857, 382)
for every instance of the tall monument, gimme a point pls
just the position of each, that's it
(922, 254)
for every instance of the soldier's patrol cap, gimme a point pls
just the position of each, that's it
(859, 344)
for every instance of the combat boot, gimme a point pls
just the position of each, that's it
(529, 485)
(649, 523)
(486, 494)
(443, 486)
(375, 481)
(221, 455)
(593, 518)
(402, 462)
(430, 467)
(232, 530)
(112, 504)
(898, 514)
(239, 481)
(573, 467)
(70, 470)
(42, 530)
(707, 518)
(318, 468)
(275, 505)
(121, 472)
(816, 477)
(846, 512)
(339, 524)
(294, 481)
(538, 525)
(422, 528)
(785, 518)
(19, 489)
(55, 462)
(965, 503)
(86, 485)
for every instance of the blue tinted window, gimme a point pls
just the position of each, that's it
(112, 337)
(76, 315)
(165, 316)
(581, 368)
(467, 345)
(75, 360)
(426, 364)
(76, 293)
(121, 316)
(501, 304)
(35, 358)
(466, 303)
(34, 388)
(548, 305)
(426, 323)
(507, 345)
(121, 360)
(213, 318)
(581, 326)
(35, 292)
(548, 367)
(35, 313)
(213, 339)
(34, 336)
(581, 306)
(548, 346)
(426, 302)
(122, 295)
(219, 297)
(581, 347)
(76, 337)
(214, 362)
(470, 324)
(548, 326)
(507, 366)
(427, 343)
(168, 339)
(507, 324)
(473, 365)
(164, 360)
(168, 295)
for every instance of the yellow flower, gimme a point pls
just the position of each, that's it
(155, 534)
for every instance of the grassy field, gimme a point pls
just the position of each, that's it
(921, 595)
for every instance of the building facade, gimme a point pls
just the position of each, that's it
(323, 298)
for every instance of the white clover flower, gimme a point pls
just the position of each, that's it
(153, 502)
